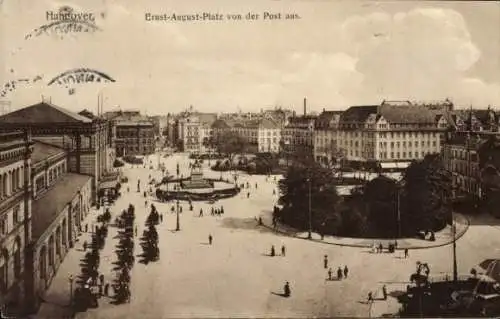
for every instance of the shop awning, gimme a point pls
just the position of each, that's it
(394, 165)
(108, 184)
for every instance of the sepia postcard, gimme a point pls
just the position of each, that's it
(249, 159)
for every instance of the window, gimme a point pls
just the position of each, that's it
(3, 225)
(392, 154)
(15, 215)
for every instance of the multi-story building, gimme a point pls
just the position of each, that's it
(392, 133)
(298, 135)
(135, 134)
(263, 135)
(15, 219)
(86, 141)
(326, 150)
(193, 128)
(461, 157)
(41, 209)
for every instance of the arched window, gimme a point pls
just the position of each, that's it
(20, 177)
(12, 182)
(17, 258)
(4, 270)
(58, 241)
(64, 230)
(42, 265)
(51, 250)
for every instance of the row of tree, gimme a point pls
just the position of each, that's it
(149, 239)
(380, 208)
(125, 255)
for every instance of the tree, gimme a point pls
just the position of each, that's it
(294, 189)
(230, 144)
(380, 196)
(426, 196)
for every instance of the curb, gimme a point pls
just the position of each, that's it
(457, 237)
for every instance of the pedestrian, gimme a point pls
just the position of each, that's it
(101, 279)
(346, 271)
(180, 209)
(273, 252)
(86, 228)
(283, 250)
(384, 292)
(85, 246)
(222, 210)
(128, 189)
(248, 194)
(330, 274)
(370, 297)
(406, 252)
(161, 218)
(260, 221)
(339, 273)
(325, 262)
(210, 238)
(380, 247)
(106, 290)
(100, 290)
(201, 212)
(146, 203)
(255, 185)
(286, 290)
(212, 211)
(274, 191)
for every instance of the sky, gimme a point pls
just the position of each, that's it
(337, 54)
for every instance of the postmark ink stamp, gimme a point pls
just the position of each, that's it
(66, 21)
(80, 76)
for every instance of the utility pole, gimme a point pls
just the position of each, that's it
(178, 226)
(309, 235)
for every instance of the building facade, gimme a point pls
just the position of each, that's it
(86, 141)
(390, 133)
(134, 138)
(298, 135)
(326, 150)
(15, 219)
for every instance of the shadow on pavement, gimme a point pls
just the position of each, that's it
(244, 223)
(279, 294)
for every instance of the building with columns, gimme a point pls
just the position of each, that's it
(15, 219)
(87, 142)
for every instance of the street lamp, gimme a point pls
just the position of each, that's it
(178, 227)
(454, 233)
(309, 235)
(70, 279)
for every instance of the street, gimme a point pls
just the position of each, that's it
(234, 277)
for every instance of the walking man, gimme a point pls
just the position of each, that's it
(283, 250)
(339, 273)
(346, 271)
(406, 252)
(210, 238)
(325, 262)
(384, 292)
(201, 212)
(85, 246)
(286, 290)
(330, 274)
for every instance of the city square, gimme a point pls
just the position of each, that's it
(235, 277)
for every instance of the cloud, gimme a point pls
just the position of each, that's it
(423, 53)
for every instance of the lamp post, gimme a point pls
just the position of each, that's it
(178, 227)
(398, 203)
(70, 279)
(309, 235)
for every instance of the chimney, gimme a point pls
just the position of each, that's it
(305, 106)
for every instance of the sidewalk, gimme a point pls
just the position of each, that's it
(57, 296)
(443, 237)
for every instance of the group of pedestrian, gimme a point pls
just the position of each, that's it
(216, 211)
(341, 273)
(273, 251)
